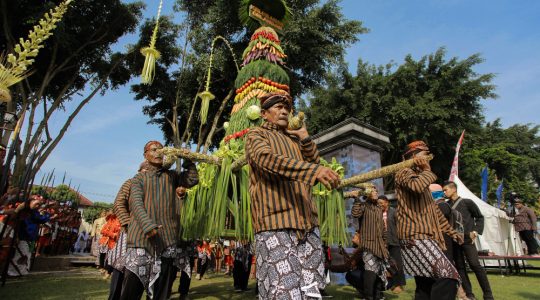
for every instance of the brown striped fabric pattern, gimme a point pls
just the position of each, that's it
(283, 170)
(371, 228)
(418, 217)
(121, 203)
(153, 202)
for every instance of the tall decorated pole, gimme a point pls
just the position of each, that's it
(219, 206)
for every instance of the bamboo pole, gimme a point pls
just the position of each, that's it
(186, 153)
(237, 164)
(379, 173)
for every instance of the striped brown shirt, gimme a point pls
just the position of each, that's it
(418, 217)
(371, 228)
(121, 203)
(283, 170)
(153, 202)
(525, 219)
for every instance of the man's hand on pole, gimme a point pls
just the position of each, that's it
(328, 178)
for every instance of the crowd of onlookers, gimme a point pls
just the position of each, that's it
(42, 226)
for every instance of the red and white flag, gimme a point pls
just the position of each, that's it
(455, 164)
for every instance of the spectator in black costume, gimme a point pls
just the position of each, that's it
(473, 225)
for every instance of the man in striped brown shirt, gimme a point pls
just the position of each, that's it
(284, 167)
(121, 210)
(420, 226)
(153, 229)
(372, 249)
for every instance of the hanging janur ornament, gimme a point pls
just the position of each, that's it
(151, 54)
(206, 96)
(14, 66)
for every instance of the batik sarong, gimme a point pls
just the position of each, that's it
(20, 263)
(116, 257)
(146, 266)
(289, 267)
(182, 260)
(426, 259)
(376, 265)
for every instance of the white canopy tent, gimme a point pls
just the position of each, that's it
(499, 235)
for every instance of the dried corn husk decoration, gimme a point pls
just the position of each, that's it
(296, 122)
(186, 153)
(379, 173)
(151, 55)
(26, 49)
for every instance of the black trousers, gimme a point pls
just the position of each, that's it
(166, 275)
(116, 285)
(201, 268)
(435, 289)
(469, 252)
(241, 275)
(102, 260)
(399, 278)
(372, 286)
(356, 279)
(185, 282)
(132, 287)
(449, 252)
(528, 237)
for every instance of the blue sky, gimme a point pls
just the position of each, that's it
(103, 146)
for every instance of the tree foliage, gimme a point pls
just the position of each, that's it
(512, 155)
(63, 193)
(314, 40)
(93, 212)
(431, 99)
(434, 99)
(76, 63)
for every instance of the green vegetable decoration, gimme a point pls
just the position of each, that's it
(331, 208)
(262, 72)
(151, 55)
(222, 196)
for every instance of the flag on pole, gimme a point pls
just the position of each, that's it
(499, 193)
(484, 186)
(454, 171)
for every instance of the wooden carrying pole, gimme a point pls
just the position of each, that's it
(357, 179)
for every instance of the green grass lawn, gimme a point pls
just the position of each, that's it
(86, 283)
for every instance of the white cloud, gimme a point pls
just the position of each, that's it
(107, 119)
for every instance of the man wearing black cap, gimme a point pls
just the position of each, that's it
(284, 167)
